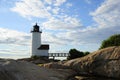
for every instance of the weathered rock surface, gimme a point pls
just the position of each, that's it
(56, 65)
(102, 63)
(37, 60)
(22, 70)
(105, 62)
(91, 78)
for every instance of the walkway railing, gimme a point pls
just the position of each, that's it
(58, 55)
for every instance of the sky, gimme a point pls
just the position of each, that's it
(66, 24)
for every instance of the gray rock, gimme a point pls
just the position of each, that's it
(22, 70)
(105, 62)
(55, 65)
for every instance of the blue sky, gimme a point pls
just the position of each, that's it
(66, 24)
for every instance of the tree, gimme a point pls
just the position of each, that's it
(86, 53)
(73, 53)
(113, 40)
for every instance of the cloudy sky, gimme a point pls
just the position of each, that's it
(66, 24)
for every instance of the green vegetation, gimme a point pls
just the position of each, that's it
(40, 64)
(113, 40)
(86, 53)
(39, 57)
(73, 53)
(35, 57)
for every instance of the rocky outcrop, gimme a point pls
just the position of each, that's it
(22, 70)
(38, 60)
(102, 63)
(96, 66)
(56, 65)
(105, 62)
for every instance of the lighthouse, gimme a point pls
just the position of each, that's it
(38, 49)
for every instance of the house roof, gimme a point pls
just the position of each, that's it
(44, 47)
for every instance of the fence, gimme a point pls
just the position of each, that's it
(58, 55)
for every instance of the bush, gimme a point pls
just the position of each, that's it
(113, 40)
(73, 53)
(35, 57)
(86, 53)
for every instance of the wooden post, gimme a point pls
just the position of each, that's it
(53, 57)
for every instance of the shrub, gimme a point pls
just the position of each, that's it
(73, 53)
(86, 53)
(113, 40)
(35, 57)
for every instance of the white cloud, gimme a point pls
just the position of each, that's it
(107, 20)
(53, 39)
(55, 2)
(14, 44)
(31, 8)
(37, 8)
(107, 23)
(48, 8)
(56, 10)
(108, 14)
(14, 37)
(67, 23)
(69, 5)
(59, 2)
(106, 17)
(49, 1)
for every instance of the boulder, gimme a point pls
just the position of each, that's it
(22, 70)
(36, 60)
(55, 65)
(104, 62)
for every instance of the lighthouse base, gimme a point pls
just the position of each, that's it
(40, 57)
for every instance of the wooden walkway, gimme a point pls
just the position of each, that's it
(58, 55)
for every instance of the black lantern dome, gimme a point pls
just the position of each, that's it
(36, 28)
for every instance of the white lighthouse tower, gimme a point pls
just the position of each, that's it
(38, 49)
